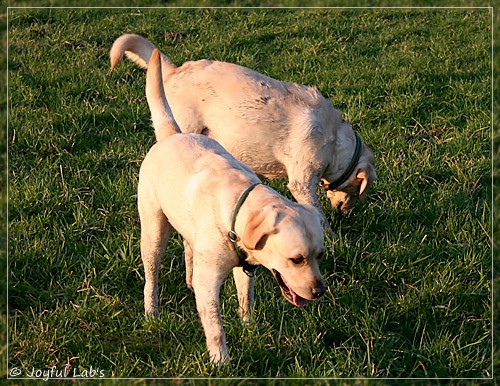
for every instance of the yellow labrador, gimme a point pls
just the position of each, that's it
(228, 219)
(276, 128)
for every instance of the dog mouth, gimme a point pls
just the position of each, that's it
(344, 207)
(288, 292)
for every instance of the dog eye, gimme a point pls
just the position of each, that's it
(297, 260)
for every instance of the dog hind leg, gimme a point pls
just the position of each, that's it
(154, 235)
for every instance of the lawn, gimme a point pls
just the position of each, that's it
(408, 275)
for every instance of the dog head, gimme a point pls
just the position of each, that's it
(352, 171)
(288, 240)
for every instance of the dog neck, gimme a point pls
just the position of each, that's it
(248, 268)
(350, 168)
(346, 160)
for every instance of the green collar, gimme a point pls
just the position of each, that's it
(248, 268)
(350, 169)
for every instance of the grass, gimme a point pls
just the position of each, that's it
(409, 277)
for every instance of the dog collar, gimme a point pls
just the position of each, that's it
(248, 268)
(354, 161)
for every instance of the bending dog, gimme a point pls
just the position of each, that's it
(278, 129)
(229, 222)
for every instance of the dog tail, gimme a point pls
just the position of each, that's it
(161, 114)
(138, 50)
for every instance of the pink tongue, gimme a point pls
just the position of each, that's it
(297, 300)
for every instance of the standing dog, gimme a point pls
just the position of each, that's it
(276, 128)
(229, 221)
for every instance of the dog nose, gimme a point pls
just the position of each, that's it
(318, 291)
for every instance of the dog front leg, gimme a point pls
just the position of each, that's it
(206, 288)
(245, 288)
(304, 191)
(188, 257)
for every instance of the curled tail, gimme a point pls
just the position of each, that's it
(161, 114)
(138, 50)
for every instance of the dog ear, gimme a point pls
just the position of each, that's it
(261, 223)
(364, 179)
(363, 182)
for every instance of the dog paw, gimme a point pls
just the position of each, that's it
(218, 361)
(328, 230)
(245, 315)
(152, 313)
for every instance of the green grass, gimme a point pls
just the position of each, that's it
(409, 277)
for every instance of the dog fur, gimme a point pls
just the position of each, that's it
(189, 182)
(276, 128)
